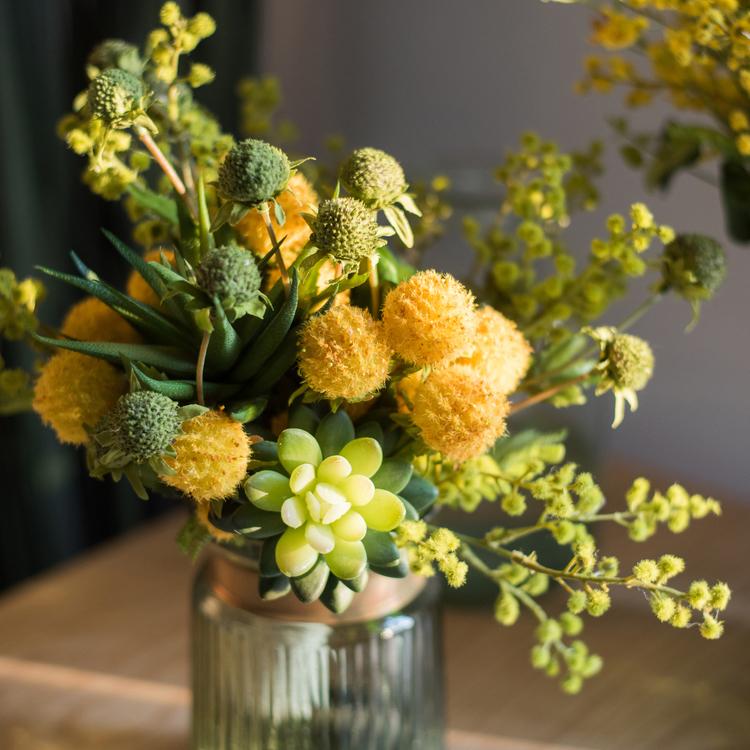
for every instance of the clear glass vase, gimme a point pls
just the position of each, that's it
(280, 674)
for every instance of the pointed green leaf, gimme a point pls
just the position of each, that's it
(224, 346)
(159, 205)
(183, 390)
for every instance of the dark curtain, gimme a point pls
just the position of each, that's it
(50, 509)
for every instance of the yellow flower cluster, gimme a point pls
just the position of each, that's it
(136, 286)
(343, 353)
(212, 455)
(74, 392)
(614, 30)
(92, 320)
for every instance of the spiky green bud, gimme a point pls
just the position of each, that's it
(346, 228)
(115, 53)
(231, 274)
(374, 177)
(116, 95)
(631, 361)
(253, 172)
(694, 265)
(144, 424)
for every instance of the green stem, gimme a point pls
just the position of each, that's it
(548, 393)
(200, 366)
(374, 281)
(276, 248)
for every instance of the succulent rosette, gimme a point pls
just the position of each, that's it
(325, 504)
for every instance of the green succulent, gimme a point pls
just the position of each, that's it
(374, 177)
(253, 172)
(326, 501)
(117, 97)
(230, 274)
(346, 229)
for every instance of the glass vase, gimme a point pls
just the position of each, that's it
(282, 674)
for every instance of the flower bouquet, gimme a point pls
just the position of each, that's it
(277, 359)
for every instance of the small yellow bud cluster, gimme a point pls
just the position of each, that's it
(675, 508)
(18, 301)
(439, 548)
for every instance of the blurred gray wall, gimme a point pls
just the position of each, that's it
(450, 86)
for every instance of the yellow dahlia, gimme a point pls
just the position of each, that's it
(343, 354)
(300, 197)
(430, 318)
(74, 391)
(458, 413)
(501, 353)
(136, 286)
(92, 320)
(212, 455)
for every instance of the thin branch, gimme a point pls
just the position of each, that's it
(200, 366)
(276, 248)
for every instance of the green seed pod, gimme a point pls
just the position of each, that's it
(374, 177)
(346, 228)
(231, 274)
(115, 53)
(631, 361)
(694, 265)
(143, 424)
(115, 95)
(253, 172)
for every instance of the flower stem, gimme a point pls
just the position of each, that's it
(372, 267)
(167, 168)
(276, 248)
(538, 398)
(200, 366)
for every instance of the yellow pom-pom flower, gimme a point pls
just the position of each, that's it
(136, 286)
(211, 457)
(430, 318)
(458, 413)
(92, 320)
(501, 353)
(74, 391)
(299, 197)
(343, 353)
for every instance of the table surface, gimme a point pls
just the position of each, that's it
(94, 655)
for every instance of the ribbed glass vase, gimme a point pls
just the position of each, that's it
(283, 675)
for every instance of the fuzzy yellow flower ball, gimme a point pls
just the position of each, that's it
(343, 354)
(212, 455)
(136, 286)
(458, 413)
(74, 391)
(92, 320)
(501, 353)
(430, 318)
(300, 197)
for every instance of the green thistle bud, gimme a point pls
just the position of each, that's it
(254, 172)
(346, 228)
(631, 361)
(230, 273)
(143, 424)
(374, 177)
(115, 53)
(694, 265)
(116, 95)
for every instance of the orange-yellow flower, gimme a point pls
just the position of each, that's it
(74, 391)
(343, 353)
(458, 414)
(136, 286)
(212, 455)
(430, 318)
(92, 320)
(501, 353)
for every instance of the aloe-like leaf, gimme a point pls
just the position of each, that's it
(283, 360)
(393, 475)
(137, 262)
(184, 390)
(419, 493)
(141, 316)
(164, 358)
(381, 549)
(159, 205)
(334, 432)
(271, 337)
(224, 346)
(309, 587)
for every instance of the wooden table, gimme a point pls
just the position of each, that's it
(94, 655)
